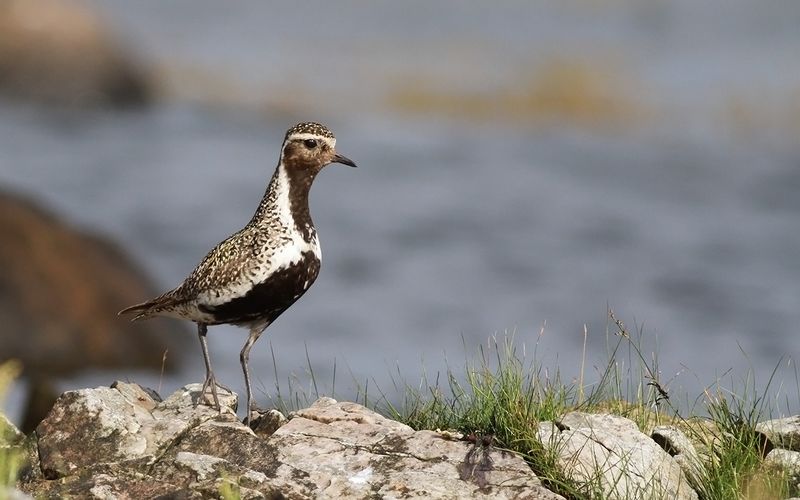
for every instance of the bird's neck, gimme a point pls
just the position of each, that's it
(285, 201)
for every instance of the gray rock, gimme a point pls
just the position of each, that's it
(782, 432)
(19, 453)
(7, 493)
(675, 442)
(118, 423)
(609, 453)
(123, 442)
(266, 423)
(787, 460)
(547, 431)
(358, 453)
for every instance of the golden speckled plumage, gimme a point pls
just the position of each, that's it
(310, 128)
(257, 273)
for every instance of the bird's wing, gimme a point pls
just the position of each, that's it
(221, 269)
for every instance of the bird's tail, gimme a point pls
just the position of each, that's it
(152, 307)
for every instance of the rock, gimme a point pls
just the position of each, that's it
(611, 453)
(123, 422)
(266, 423)
(59, 52)
(674, 441)
(782, 432)
(9, 434)
(787, 460)
(123, 442)
(13, 454)
(11, 447)
(59, 294)
(548, 432)
(385, 458)
(7, 493)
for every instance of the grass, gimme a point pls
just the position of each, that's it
(501, 398)
(733, 463)
(504, 396)
(11, 456)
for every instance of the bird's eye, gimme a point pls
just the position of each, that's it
(310, 143)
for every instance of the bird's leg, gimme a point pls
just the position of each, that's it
(244, 357)
(210, 381)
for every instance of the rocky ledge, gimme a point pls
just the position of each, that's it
(124, 441)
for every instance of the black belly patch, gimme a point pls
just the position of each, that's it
(269, 299)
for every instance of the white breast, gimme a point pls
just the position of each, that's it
(284, 251)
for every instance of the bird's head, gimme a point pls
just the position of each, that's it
(309, 147)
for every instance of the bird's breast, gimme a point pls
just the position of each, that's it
(267, 298)
(290, 250)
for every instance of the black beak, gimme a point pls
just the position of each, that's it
(343, 160)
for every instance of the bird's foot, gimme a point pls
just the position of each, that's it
(211, 383)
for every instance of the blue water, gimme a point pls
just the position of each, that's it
(454, 230)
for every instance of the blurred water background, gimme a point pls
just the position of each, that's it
(523, 166)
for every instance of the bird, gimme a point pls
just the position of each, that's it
(256, 274)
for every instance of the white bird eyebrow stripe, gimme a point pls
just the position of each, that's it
(304, 136)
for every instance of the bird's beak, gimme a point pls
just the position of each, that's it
(337, 158)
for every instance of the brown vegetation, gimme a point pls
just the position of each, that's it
(558, 91)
